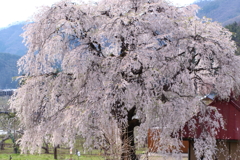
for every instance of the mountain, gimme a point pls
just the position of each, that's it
(8, 70)
(10, 40)
(224, 11)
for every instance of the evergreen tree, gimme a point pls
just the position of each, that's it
(235, 29)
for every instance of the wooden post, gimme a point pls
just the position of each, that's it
(189, 149)
(55, 152)
(70, 153)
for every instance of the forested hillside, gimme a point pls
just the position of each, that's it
(10, 40)
(235, 29)
(8, 70)
(224, 11)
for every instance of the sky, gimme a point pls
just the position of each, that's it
(13, 11)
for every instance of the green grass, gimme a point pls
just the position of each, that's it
(62, 153)
(9, 141)
(47, 157)
(141, 150)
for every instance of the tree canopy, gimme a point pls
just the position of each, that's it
(100, 70)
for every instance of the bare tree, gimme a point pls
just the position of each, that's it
(10, 125)
(117, 65)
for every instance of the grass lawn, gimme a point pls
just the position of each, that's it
(67, 157)
(62, 153)
(47, 157)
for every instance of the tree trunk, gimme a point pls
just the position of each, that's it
(127, 137)
(55, 151)
(3, 140)
(15, 148)
(46, 148)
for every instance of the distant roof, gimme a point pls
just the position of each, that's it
(6, 92)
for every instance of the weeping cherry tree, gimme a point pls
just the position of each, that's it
(109, 71)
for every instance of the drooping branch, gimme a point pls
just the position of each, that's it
(3, 140)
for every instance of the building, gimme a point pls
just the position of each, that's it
(7, 92)
(228, 139)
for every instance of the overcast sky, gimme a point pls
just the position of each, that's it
(12, 11)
